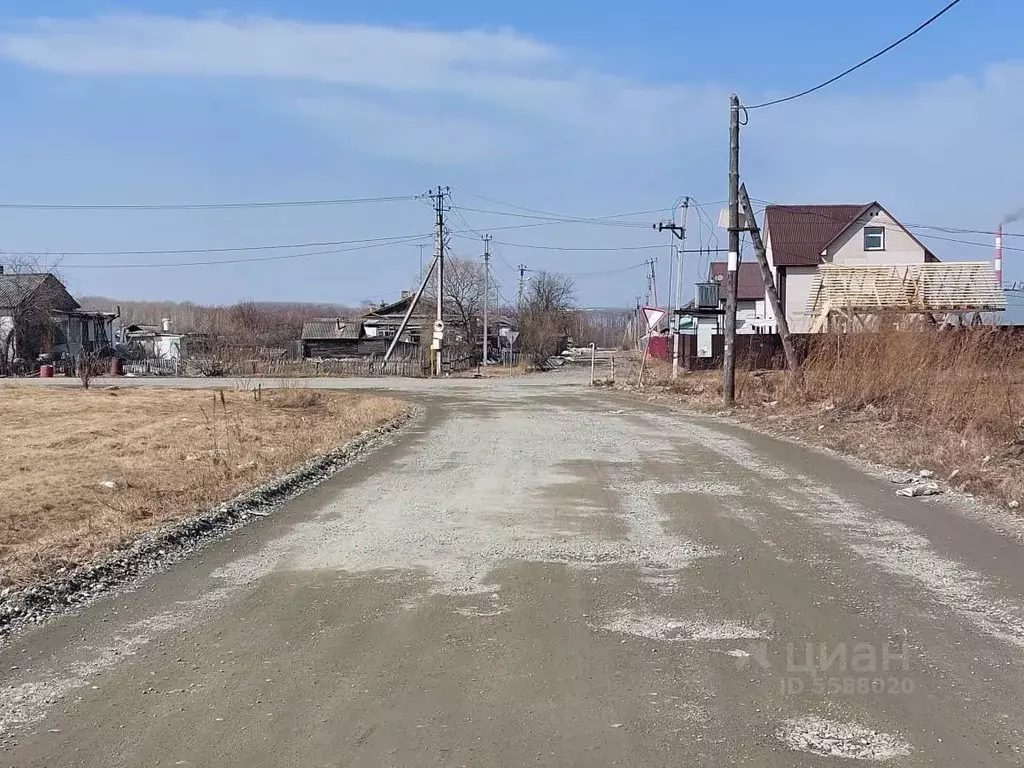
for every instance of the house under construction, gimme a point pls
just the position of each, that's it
(853, 298)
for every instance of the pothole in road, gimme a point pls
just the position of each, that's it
(829, 738)
(654, 627)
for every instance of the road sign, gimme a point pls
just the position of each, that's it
(654, 316)
(512, 336)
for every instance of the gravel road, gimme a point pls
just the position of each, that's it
(536, 573)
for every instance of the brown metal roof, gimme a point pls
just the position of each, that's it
(799, 233)
(338, 328)
(749, 287)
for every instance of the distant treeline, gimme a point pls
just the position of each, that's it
(271, 324)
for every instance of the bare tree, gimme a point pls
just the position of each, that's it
(464, 286)
(546, 315)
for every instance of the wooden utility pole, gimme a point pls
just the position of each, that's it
(732, 273)
(487, 287)
(750, 222)
(522, 284)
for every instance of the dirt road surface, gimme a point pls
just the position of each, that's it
(536, 573)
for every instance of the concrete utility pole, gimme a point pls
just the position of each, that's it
(439, 339)
(732, 274)
(679, 230)
(487, 287)
(436, 262)
(769, 287)
(522, 284)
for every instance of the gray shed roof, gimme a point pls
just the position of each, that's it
(339, 328)
(15, 288)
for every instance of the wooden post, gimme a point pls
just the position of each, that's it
(769, 286)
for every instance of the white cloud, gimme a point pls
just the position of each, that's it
(501, 70)
(928, 150)
(256, 47)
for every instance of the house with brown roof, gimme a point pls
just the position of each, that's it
(801, 238)
(751, 316)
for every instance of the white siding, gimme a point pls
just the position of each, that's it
(798, 289)
(6, 325)
(747, 316)
(767, 312)
(900, 248)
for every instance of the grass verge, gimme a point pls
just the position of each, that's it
(85, 470)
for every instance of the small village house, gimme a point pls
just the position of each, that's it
(38, 317)
(154, 342)
(366, 335)
(751, 315)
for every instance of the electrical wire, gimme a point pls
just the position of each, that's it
(602, 273)
(560, 215)
(188, 251)
(367, 245)
(855, 67)
(206, 206)
(600, 221)
(580, 249)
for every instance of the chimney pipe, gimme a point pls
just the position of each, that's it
(999, 255)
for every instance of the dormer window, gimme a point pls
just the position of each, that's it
(874, 238)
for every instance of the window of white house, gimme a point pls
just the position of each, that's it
(874, 238)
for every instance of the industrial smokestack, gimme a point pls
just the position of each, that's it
(999, 255)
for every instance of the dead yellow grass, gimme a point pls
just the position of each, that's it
(84, 470)
(950, 401)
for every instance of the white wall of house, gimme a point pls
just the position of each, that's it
(899, 247)
(749, 315)
(6, 326)
(768, 313)
(798, 289)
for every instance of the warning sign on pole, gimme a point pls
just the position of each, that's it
(654, 316)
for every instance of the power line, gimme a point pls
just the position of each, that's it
(574, 248)
(599, 221)
(855, 67)
(367, 245)
(187, 251)
(602, 273)
(961, 231)
(205, 206)
(561, 215)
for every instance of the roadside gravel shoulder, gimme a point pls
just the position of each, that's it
(154, 551)
(974, 507)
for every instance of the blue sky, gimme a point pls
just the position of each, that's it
(586, 109)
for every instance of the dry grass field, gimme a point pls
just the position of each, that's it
(83, 470)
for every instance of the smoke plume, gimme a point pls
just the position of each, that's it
(1015, 216)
